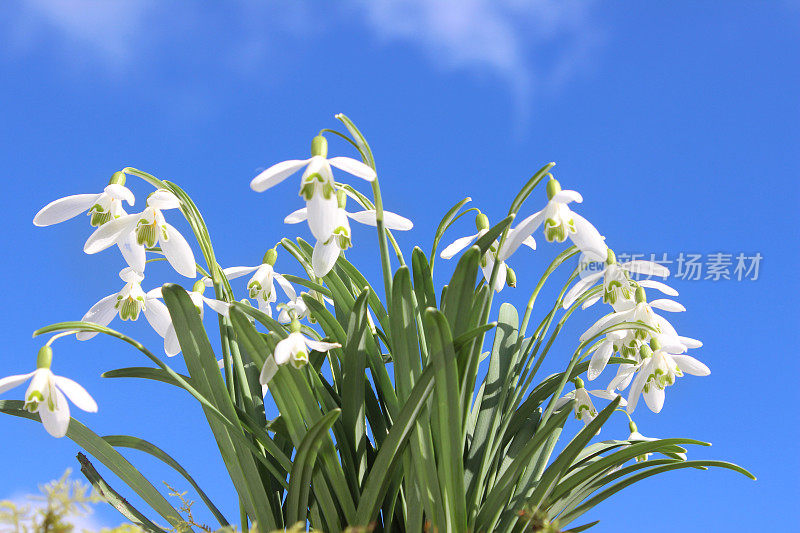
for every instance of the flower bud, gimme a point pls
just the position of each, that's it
(553, 187)
(511, 277)
(199, 286)
(270, 257)
(319, 146)
(118, 178)
(481, 221)
(632, 427)
(45, 357)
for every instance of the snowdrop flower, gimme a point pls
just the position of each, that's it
(172, 346)
(583, 406)
(149, 229)
(47, 394)
(504, 273)
(102, 207)
(559, 223)
(317, 186)
(635, 437)
(330, 245)
(658, 371)
(297, 308)
(261, 286)
(294, 349)
(618, 287)
(128, 304)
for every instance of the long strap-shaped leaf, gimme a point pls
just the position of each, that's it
(447, 431)
(111, 458)
(126, 441)
(354, 386)
(113, 498)
(204, 370)
(303, 468)
(390, 452)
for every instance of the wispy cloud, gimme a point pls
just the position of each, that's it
(532, 46)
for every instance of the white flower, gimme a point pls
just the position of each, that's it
(330, 245)
(618, 287)
(297, 308)
(294, 349)
(128, 304)
(317, 186)
(102, 207)
(559, 223)
(583, 407)
(147, 229)
(657, 372)
(488, 259)
(635, 437)
(46, 396)
(261, 286)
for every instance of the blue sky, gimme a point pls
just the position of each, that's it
(677, 122)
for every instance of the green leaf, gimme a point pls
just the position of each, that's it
(354, 384)
(528, 188)
(303, 468)
(423, 280)
(113, 497)
(390, 452)
(204, 370)
(126, 441)
(111, 458)
(447, 432)
(145, 372)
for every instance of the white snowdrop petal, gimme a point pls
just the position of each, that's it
(530, 242)
(276, 174)
(517, 235)
(76, 393)
(172, 345)
(323, 214)
(163, 199)
(690, 342)
(10, 382)
(599, 360)
(667, 305)
(157, 314)
(110, 233)
(64, 209)
(133, 252)
(580, 287)
(588, 239)
(223, 308)
(120, 192)
(321, 346)
(283, 351)
(354, 167)
(567, 196)
(233, 273)
(269, 369)
(653, 284)
(296, 217)
(178, 252)
(55, 422)
(457, 245)
(654, 398)
(100, 313)
(324, 257)
(390, 220)
(636, 391)
(285, 286)
(690, 365)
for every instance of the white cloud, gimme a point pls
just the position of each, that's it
(532, 46)
(529, 44)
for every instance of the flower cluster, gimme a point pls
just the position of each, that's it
(655, 350)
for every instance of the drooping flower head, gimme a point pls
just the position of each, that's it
(505, 275)
(317, 186)
(147, 230)
(47, 394)
(560, 223)
(261, 286)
